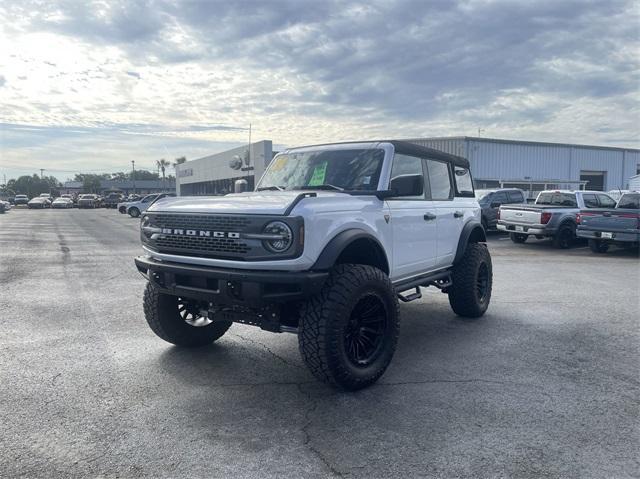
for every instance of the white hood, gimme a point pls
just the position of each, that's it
(259, 203)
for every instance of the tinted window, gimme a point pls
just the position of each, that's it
(516, 197)
(146, 199)
(629, 201)
(464, 185)
(606, 202)
(499, 197)
(590, 201)
(557, 199)
(404, 165)
(439, 180)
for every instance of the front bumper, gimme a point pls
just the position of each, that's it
(225, 286)
(527, 229)
(617, 236)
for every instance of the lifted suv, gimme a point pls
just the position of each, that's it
(331, 239)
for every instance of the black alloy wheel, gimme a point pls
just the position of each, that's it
(365, 331)
(190, 313)
(482, 283)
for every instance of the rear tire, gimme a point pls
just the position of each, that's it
(349, 331)
(164, 318)
(565, 236)
(134, 212)
(470, 293)
(598, 246)
(518, 237)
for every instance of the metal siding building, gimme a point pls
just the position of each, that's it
(495, 161)
(212, 175)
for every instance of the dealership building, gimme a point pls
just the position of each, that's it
(531, 166)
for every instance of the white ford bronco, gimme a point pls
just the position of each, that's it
(331, 238)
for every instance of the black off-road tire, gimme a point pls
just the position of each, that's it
(518, 237)
(161, 313)
(470, 294)
(598, 246)
(134, 212)
(327, 324)
(565, 236)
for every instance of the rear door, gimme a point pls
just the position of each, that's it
(413, 221)
(450, 217)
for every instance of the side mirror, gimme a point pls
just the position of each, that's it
(495, 204)
(407, 185)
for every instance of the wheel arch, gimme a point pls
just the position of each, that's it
(353, 246)
(472, 232)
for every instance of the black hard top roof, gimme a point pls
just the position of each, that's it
(406, 148)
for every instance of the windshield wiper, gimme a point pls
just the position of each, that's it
(270, 188)
(324, 186)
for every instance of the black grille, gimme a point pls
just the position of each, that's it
(210, 245)
(202, 222)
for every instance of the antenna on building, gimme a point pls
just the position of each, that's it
(480, 131)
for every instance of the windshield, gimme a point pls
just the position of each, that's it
(349, 169)
(86, 197)
(631, 202)
(557, 199)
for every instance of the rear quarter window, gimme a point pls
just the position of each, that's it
(516, 197)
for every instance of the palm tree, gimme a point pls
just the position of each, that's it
(179, 161)
(162, 165)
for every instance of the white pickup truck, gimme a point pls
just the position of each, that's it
(331, 239)
(553, 215)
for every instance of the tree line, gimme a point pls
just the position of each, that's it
(35, 185)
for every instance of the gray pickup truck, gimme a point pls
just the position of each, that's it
(620, 225)
(553, 215)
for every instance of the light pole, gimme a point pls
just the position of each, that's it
(133, 175)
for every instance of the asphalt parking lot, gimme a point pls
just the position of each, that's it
(545, 385)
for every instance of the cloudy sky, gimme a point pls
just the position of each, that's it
(89, 86)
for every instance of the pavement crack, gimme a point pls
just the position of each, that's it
(267, 349)
(308, 420)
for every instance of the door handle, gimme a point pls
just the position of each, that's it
(458, 214)
(429, 217)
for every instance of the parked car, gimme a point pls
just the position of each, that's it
(553, 215)
(619, 226)
(39, 202)
(62, 202)
(135, 208)
(112, 200)
(332, 238)
(89, 201)
(21, 200)
(491, 200)
(4, 206)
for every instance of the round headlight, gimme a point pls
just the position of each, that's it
(284, 240)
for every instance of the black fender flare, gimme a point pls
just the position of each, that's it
(339, 243)
(473, 229)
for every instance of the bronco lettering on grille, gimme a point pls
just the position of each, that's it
(201, 233)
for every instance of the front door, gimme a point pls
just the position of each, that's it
(414, 224)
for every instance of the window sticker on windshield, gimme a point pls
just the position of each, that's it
(366, 180)
(319, 172)
(279, 163)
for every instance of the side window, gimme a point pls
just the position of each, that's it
(515, 197)
(404, 165)
(500, 197)
(606, 202)
(464, 185)
(590, 201)
(439, 180)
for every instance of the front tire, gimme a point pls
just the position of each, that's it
(598, 246)
(472, 276)
(177, 320)
(348, 332)
(134, 212)
(518, 237)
